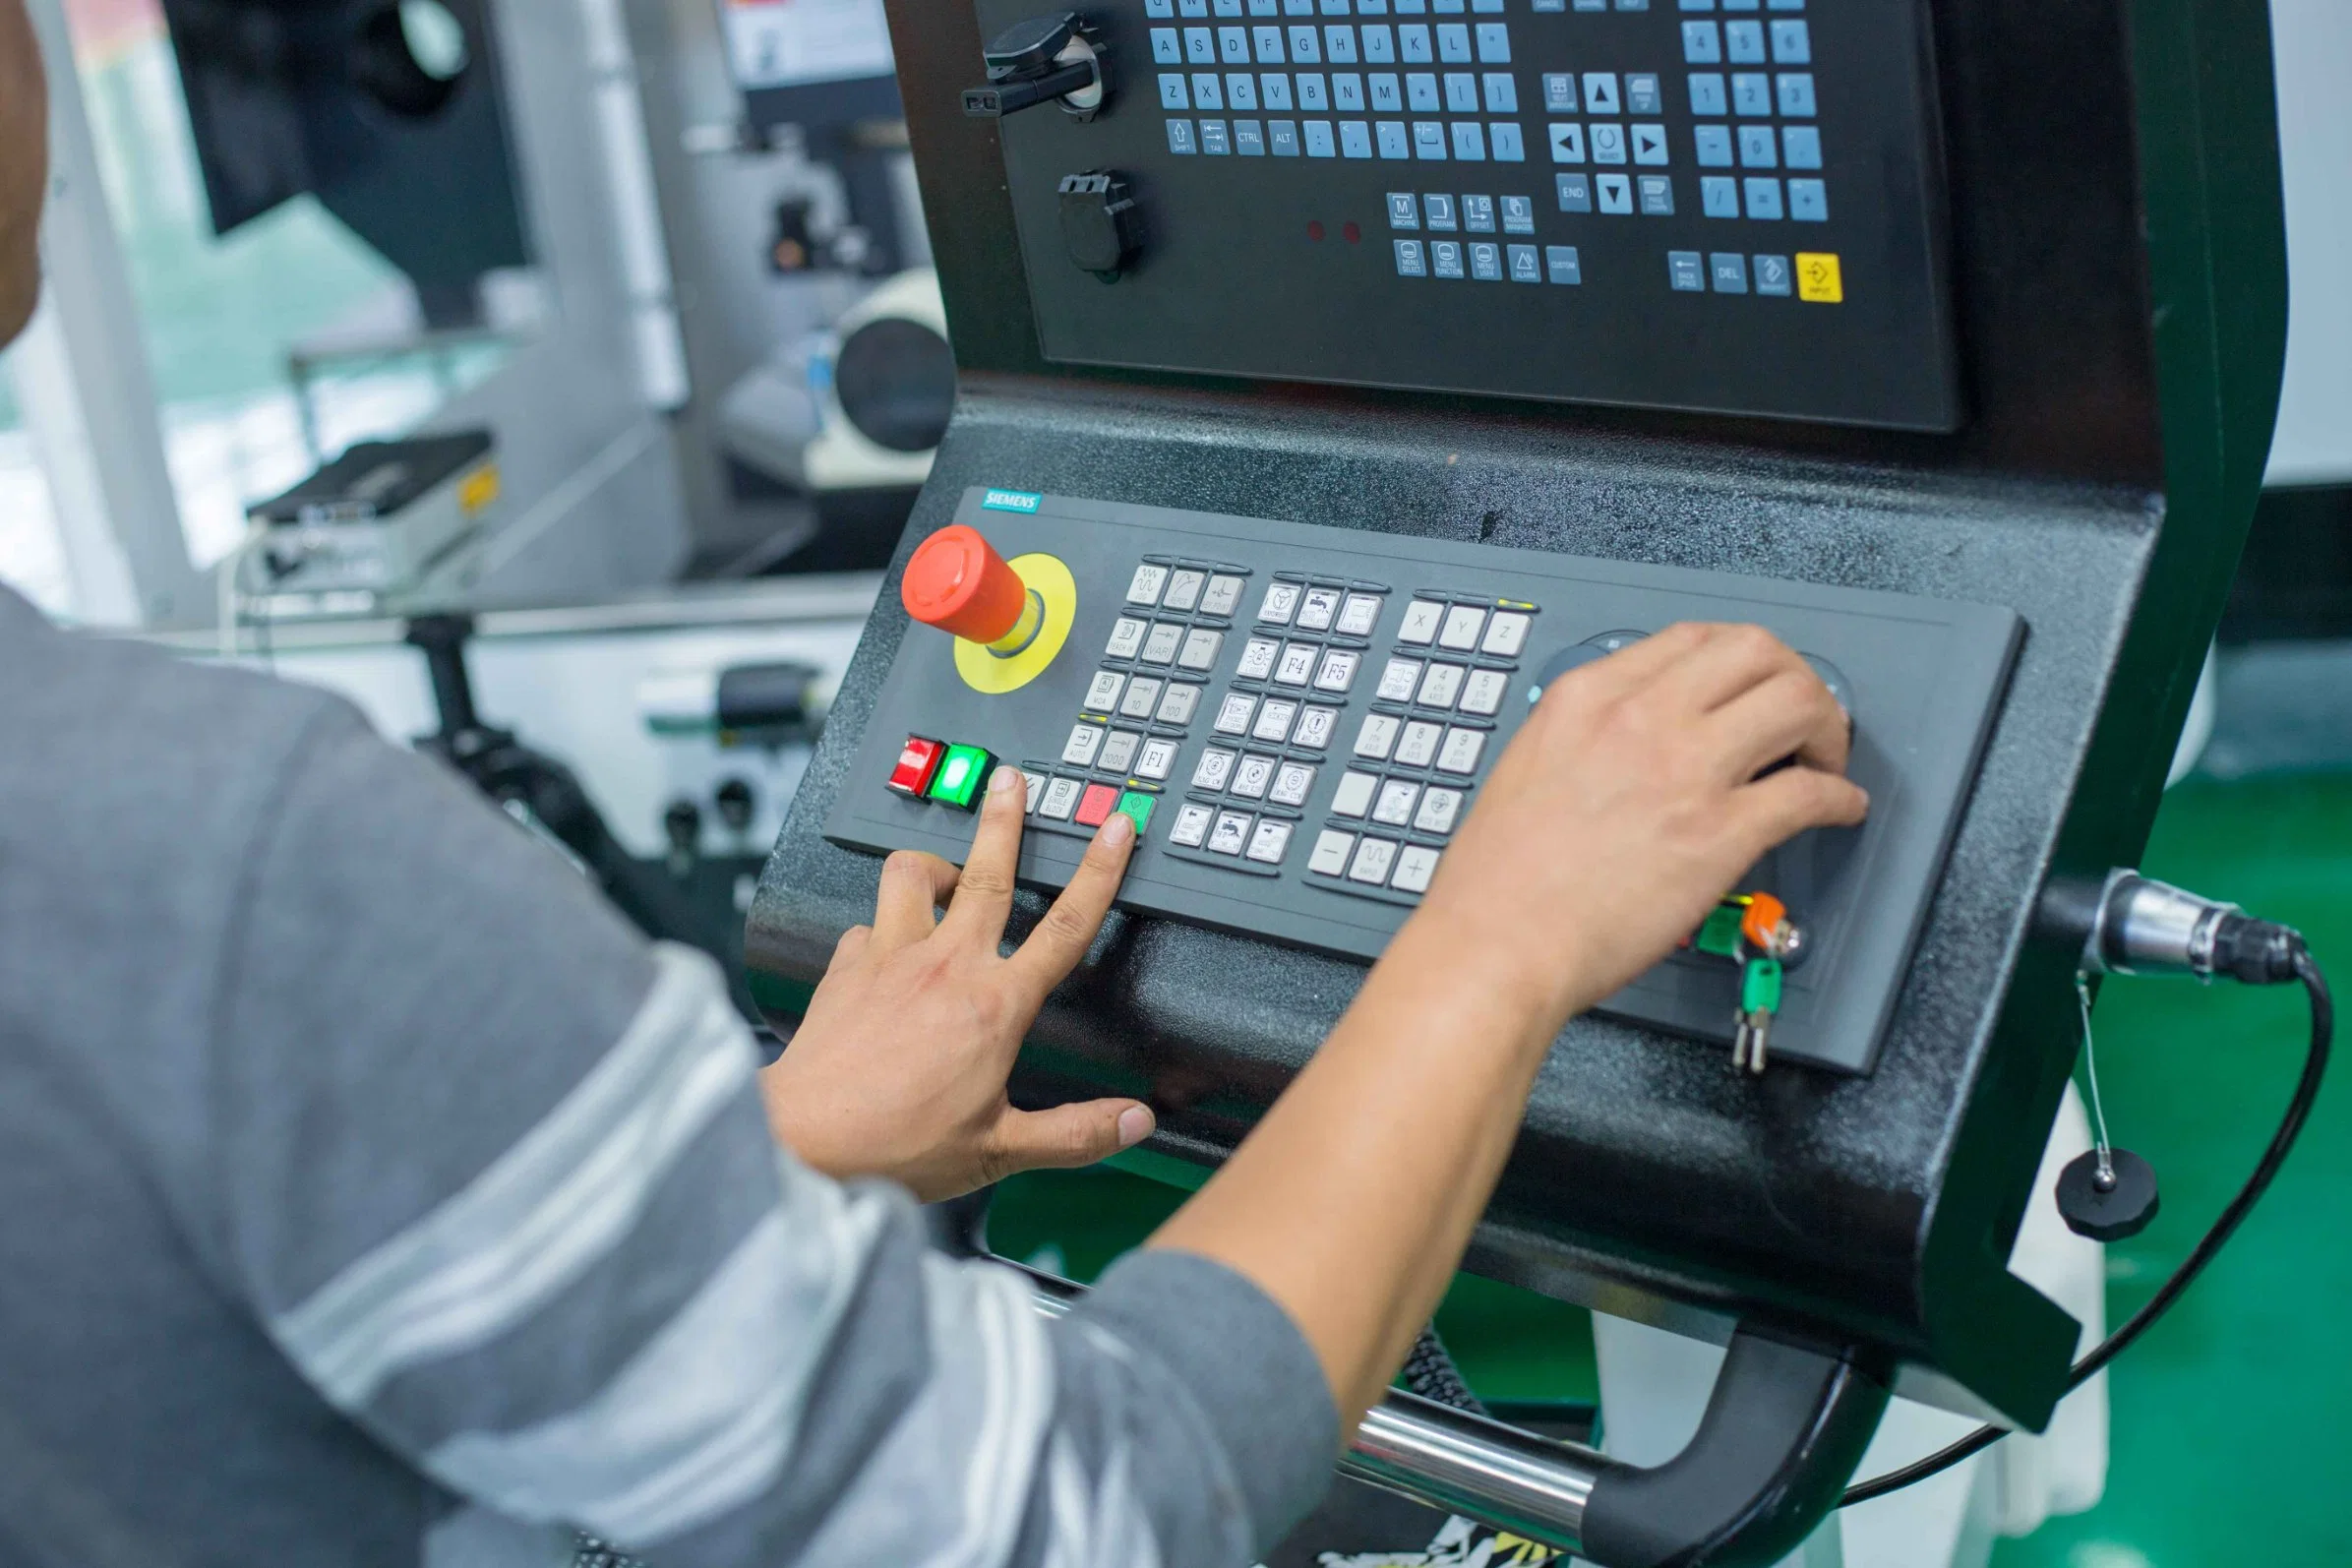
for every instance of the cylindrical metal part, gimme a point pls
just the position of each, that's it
(1480, 1469)
(2146, 926)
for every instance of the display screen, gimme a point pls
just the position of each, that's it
(1730, 205)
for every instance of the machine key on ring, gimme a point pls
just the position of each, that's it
(1759, 1000)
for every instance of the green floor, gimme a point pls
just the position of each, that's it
(2228, 1445)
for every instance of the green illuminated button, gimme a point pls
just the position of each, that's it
(1138, 805)
(963, 774)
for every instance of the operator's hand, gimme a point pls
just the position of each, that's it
(1629, 804)
(899, 1069)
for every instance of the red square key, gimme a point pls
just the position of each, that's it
(916, 765)
(1096, 804)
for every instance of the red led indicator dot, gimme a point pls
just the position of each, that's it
(1314, 229)
(1351, 233)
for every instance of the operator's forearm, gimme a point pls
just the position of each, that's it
(1353, 1199)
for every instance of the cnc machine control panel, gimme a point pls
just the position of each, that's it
(1720, 204)
(1298, 718)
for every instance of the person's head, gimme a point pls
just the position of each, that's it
(24, 166)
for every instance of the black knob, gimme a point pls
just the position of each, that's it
(1049, 59)
(683, 823)
(1101, 224)
(1026, 49)
(736, 802)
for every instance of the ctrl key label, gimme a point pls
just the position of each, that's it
(918, 764)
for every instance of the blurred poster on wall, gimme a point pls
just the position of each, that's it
(778, 44)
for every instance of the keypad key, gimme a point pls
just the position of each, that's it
(1291, 782)
(1318, 608)
(1127, 637)
(1377, 738)
(1257, 659)
(1415, 864)
(1061, 799)
(1231, 834)
(1506, 633)
(1463, 624)
(1442, 685)
(1316, 726)
(1161, 646)
(1156, 761)
(1180, 705)
(1483, 693)
(1399, 680)
(1280, 604)
(1354, 797)
(1373, 858)
(1359, 613)
(1331, 852)
(1119, 751)
(1422, 617)
(1201, 649)
(1142, 699)
(1274, 721)
(1417, 747)
(1397, 800)
(1235, 714)
(1101, 695)
(1337, 670)
(1463, 748)
(1253, 777)
(1096, 804)
(1191, 827)
(1270, 842)
(1036, 786)
(1215, 766)
(1184, 588)
(1223, 595)
(1297, 664)
(1441, 808)
(1145, 589)
(1084, 742)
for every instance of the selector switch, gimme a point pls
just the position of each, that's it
(1102, 227)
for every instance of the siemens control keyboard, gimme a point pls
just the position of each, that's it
(1298, 718)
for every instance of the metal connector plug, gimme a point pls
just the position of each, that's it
(2144, 926)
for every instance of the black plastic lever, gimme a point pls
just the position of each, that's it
(1784, 1430)
(1044, 60)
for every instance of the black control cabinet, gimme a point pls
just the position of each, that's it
(1739, 211)
(2116, 296)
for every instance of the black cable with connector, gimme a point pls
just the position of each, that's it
(2136, 925)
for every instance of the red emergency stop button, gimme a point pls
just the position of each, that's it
(958, 582)
(917, 764)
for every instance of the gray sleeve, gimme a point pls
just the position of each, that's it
(495, 1176)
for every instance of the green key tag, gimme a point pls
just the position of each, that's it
(1760, 988)
(1721, 935)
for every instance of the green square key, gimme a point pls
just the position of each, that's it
(963, 774)
(1138, 805)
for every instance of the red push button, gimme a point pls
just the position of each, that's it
(1096, 805)
(958, 582)
(916, 765)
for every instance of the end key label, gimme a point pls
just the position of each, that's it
(1010, 500)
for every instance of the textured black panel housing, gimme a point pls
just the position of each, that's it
(2118, 285)
(1921, 677)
